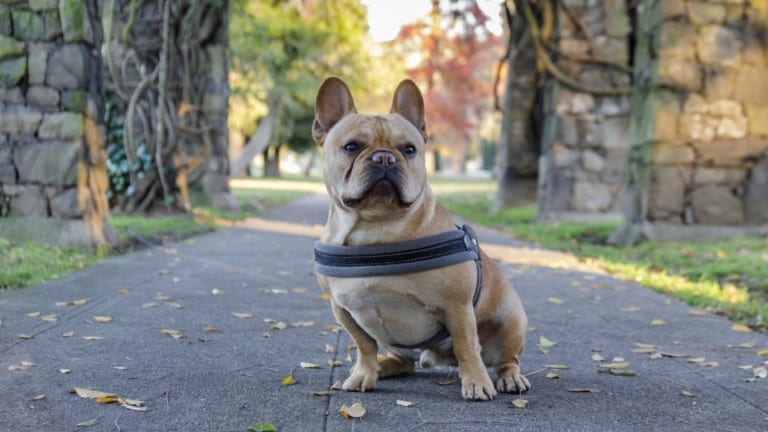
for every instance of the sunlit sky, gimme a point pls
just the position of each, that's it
(385, 17)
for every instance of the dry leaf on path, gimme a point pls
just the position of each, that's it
(320, 393)
(597, 357)
(630, 309)
(760, 372)
(307, 365)
(688, 394)
(556, 366)
(615, 365)
(555, 300)
(658, 322)
(262, 427)
(741, 328)
(50, 318)
(621, 372)
(209, 329)
(352, 412)
(404, 403)
(38, 397)
(89, 394)
(763, 352)
(447, 382)
(32, 314)
(280, 325)
(519, 403)
(93, 338)
(337, 386)
(583, 390)
(552, 375)
(88, 423)
(173, 333)
(68, 334)
(102, 319)
(303, 324)
(288, 380)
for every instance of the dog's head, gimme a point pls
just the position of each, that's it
(374, 164)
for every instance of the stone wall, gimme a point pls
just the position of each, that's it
(52, 163)
(700, 138)
(585, 142)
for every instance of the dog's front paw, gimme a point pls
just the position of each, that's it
(513, 382)
(480, 388)
(360, 381)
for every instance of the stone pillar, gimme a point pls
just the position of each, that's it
(699, 165)
(585, 138)
(52, 162)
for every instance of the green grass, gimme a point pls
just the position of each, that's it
(23, 264)
(728, 277)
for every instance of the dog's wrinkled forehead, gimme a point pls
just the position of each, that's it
(374, 130)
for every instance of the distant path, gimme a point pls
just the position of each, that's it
(226, 373)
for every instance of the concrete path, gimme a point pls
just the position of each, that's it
(226, 373)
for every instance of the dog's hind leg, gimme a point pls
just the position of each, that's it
(394, 364)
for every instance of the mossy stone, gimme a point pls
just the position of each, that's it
(10, 47)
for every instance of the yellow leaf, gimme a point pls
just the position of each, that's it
(333, 328)
(173, 333)
(763, 352)
(106, 400)
(446, 382)
(519, 403)
(555, 300)
(102, 319)
(748, 345)
(630, 309)
(334, 363)
(320, 393)
(303, 324)
(288, 380)
(556, 366)
(307, 365)
(404, 403)
(698, 312)
(658, 321)
(122, 291)
(688, 394)
(88, 393)
(741, 328)
(324, 297)
(49, 318)
(355, 411)
(209, 329)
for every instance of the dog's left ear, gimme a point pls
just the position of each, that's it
(408, 102)
(333, 101)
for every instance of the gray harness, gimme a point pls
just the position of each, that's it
(411, 256)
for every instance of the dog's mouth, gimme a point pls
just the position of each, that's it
(381, 184)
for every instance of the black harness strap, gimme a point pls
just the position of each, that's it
(426, 253)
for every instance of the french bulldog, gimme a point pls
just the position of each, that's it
(375, 174)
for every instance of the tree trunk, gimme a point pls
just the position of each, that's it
(518, 151)
(272, 162)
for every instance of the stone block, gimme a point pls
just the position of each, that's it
(47, 162)
(676, 41)
(734, 13)
(665, 121)
(671, 153)
(611, 50)
(756, 195)
(10, 47)
(695, 104)
(12, 71)
(592, 161)
(726, 108)
(727, 176)
(68, 67)
(754, 53)
(666, 193)
(562, 156)
(574, 47)
(616, 19)
(6, 26)
(73, 100)
(683, 74)
(591, 196)
(64, 205)
(730, 152)
(30, 200)
(615, 133)
(27, 25)
(732, 127)
(568, 130)
(758, 119)
(614, 106)
(11, 95)
(757, 14)
(38, 60)
(697, 127)
(568, 102)
(716, 205)
(46, 98)
(720, 82)
(75, 22)
(20, 120)
(52, 24)
(705, 13)
(752, 85)
(672, 8)
(717, 45)
(61, 125)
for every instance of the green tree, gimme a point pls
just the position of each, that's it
(281, 51)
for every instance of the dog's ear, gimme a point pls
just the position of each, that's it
(333, 101)
(408, 102)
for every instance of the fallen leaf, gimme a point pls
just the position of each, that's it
(546, 343)
(122, 291)
(102, 319)
(307, 365)
(760, 372)
(355, 411)
(746, 367)
(209, 329)
(288, 380)
(698, 312)
(447, 382)
(404, 403)
(38, 397)
(217, 291)
(303, 324)
(645, 345)
(173, 333)
(658, 322)
(337, 386)
(763, 352)
(688, 394)
(262, 427)
(329, 348)
(333, 328)
(583, 390)
(32, 314)
(132, 404)
(748, 345)
(597, 357)
(555, 300)
(161, 297)
(49, 318)
(519, 403)
(65, 371)
(324, 297)
(320, 393)
(173, 305)
(552, 375)
(104, 400)
(24, 336)
(93, 338)
(673, 355)
(334, 363)
(697, 360)
(615, 365)
(279, 326)
(71, 303)
(150, 305)
(621, 372)
(556, 366)
(88, 423)
(630, 309)
(68, 334)
(89, 394)
(741, 328)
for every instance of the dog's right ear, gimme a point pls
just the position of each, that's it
(334, 101)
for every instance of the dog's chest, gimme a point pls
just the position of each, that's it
(389, 309)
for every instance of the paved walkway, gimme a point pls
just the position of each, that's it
(226, 373)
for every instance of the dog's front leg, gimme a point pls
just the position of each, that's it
(365, 372)
(475, 382)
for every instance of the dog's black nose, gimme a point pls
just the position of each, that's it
(383, 157)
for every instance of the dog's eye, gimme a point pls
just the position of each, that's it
(409, 150)
(351, 147)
